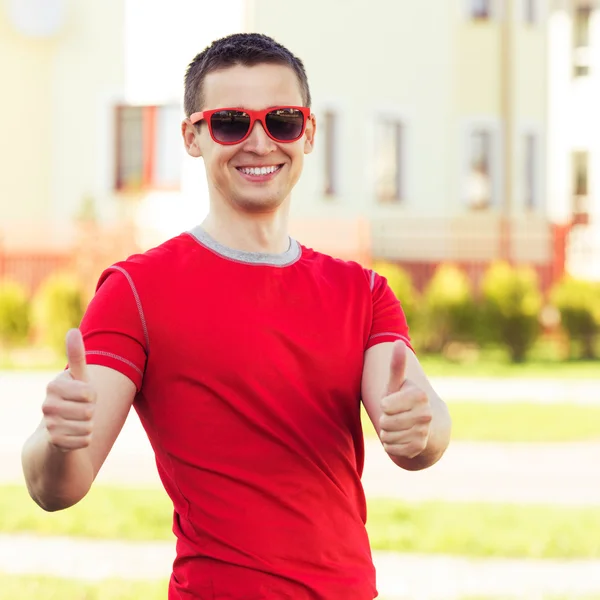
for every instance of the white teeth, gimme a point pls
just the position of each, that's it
(258, 170)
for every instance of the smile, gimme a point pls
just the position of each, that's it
(259, 172)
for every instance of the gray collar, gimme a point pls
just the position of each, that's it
(290, 256)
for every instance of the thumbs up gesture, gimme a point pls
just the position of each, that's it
(69, 405)
(406, 413)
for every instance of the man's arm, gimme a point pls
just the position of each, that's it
(84, 411)
(417, 434)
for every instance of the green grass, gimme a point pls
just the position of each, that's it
(543, 362)
(106, 513)
(525, 422)
(30, 587)
(470, 529)
(519, 422)
(485, 530)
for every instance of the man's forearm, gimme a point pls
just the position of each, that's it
(55, 479)
(439, 438)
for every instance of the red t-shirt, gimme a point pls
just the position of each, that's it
(248, 373)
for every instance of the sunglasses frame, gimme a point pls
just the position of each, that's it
(255, 115)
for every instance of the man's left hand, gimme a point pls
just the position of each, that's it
(405, 422)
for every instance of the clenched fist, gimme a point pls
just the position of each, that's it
(406, 418)
(70, 400)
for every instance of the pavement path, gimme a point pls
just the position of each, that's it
(548, 473)
(566, 473)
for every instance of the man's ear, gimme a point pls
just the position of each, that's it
(309, 134)
(190, 138)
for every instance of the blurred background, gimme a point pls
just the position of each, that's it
(458, 152)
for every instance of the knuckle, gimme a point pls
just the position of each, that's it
(421, 396)
(53, 387)
(383, 421)
(49, 407)
(426, 417)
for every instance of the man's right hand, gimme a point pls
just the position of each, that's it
(70, 401)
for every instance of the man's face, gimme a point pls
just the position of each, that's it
(254, 88)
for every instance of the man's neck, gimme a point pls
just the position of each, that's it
(265, 233)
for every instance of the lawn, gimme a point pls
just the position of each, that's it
(519, 422)
(49, 588)
(496, 364)
(30, 587)
(544, 361)
(469, 529)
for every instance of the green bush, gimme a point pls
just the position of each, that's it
(578, 303)
(58, 306)
(450, 312)
(512, 303)
(401, 284)
(14, 313)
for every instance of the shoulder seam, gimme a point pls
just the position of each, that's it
(372, 280)
(138, 303)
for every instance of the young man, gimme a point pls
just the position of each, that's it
(246, 356)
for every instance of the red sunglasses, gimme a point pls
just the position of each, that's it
(233, 125)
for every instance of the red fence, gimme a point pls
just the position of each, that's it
(96, 251)
(30, 269)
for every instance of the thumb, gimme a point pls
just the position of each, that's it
(76, 355)
(397, 368)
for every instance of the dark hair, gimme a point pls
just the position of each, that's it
(246, 49)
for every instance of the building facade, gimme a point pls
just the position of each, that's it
(574, 127)
(441, 129)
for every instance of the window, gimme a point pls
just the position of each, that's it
(581, 40)
(479, 184)
(38, 19)
(530, 11)
(389, 160)
(148, 147)
(480, 9)
(580, 185)
(330, 159)
(530, 168)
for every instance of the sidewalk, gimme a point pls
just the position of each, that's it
(399, 576)
(29, 386)
(566, 473)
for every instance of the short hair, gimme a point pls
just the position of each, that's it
(246, 49)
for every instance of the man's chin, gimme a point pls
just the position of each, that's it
(257, 205)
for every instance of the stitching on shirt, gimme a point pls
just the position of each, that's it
(138, 303)
(397, 335)
(117, 357)
(372, 280)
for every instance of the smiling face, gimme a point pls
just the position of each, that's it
(258, 174)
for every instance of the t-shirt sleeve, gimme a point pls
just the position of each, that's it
(389, 322)
(114, 328)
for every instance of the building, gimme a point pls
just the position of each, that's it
(432, 128)
(574, 127)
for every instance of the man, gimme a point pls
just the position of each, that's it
(246, 356)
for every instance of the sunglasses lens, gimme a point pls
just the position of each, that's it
(285, 124)
(229, 125)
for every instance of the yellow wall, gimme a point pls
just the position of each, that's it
(530, 73)
(57, 121)
(477, 62)
(25, 123)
